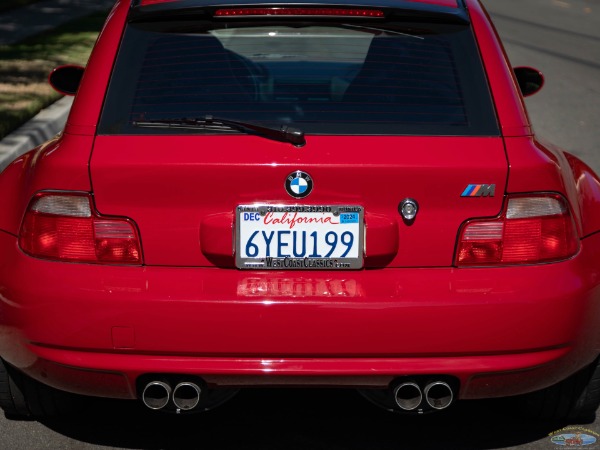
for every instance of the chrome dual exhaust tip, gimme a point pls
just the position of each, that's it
(157, 394)
(437, 395)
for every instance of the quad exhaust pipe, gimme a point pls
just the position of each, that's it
(185, 396)
(437, 395)
(409, 395)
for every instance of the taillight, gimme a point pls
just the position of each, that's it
(65, 227)
(532, 229)
(278, 11)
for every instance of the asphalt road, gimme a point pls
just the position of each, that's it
(562, 39)
(559, 37)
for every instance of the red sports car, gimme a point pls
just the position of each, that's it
(307, 194)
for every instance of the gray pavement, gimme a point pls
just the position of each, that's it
(562, 39)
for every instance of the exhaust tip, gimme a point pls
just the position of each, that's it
(408, 396)
(156, 395)
(186, 395)
(438, 395)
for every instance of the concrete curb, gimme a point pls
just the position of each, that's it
(38, 130)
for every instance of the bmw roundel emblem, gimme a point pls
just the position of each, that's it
(298, 184)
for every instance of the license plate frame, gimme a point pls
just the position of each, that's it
(326, 219)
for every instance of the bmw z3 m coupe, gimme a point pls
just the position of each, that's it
(308, 194)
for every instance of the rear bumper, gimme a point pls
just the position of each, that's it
(95, 329)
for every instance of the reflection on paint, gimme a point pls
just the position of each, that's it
(298, 287)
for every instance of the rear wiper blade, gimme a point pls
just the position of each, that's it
(282, 134)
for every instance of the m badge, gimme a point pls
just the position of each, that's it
(479, 190)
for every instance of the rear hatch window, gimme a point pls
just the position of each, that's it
(367, 77)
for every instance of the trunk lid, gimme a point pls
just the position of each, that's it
(183, 191)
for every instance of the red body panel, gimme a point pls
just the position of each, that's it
(468, 323)
(201, 180)
(587, 196)
(59, 164)
(94, 329)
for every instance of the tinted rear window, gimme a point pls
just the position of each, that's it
(363, 78)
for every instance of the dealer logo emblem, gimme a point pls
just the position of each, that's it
(298, 184)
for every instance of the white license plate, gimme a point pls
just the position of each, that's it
(299, 237)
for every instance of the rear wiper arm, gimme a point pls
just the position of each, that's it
(282, 134)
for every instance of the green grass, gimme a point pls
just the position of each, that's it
(11, 4)
(24, 68)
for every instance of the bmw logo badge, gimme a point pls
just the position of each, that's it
(298, 184)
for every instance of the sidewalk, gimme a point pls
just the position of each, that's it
(19, 24)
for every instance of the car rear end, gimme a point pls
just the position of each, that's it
(394, 244)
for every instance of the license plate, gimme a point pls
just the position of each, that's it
(299, 237)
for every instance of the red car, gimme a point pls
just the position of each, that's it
(305, 194)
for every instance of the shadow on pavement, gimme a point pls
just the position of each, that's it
(302, 419)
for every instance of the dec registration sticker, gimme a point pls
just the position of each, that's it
(299, 237)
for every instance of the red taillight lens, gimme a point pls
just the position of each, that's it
(65, 227)
(338, 12)
(532, 229)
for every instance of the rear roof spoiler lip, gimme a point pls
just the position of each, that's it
(392, 8)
